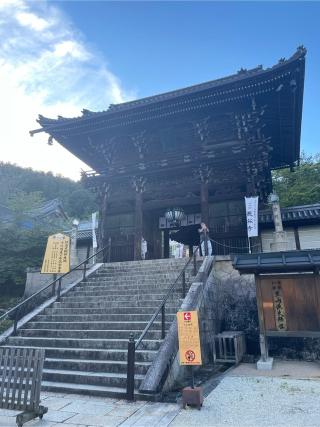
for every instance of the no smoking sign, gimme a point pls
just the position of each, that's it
(189, 338)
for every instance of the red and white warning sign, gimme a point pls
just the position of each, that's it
(189, 338)
(186, 315)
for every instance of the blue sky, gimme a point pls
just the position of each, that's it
(92, 53)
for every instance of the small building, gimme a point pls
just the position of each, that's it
(46, 212)
(301, 223)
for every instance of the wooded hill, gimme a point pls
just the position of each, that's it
(40, 186)
(22, 190)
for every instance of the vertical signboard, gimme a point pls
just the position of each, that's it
(57, 256)
(189, 338)
(94, 237)
(252, 216)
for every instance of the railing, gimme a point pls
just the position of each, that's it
(18, 309)
(133, 345)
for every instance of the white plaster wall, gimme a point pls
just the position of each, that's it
(267, 238)
(309, 237)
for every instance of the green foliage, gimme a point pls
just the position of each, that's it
(22, 190)
(21, 248)
(300, 187)
(77, 201)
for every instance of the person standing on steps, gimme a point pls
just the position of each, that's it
(144, 248)
(206, 248)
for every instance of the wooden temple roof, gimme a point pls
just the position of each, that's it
(238, 101)
(274, 262)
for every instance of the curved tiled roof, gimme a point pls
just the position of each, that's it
(293, 213)
(240, 77)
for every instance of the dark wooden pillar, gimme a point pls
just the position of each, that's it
(138, 226)
(297, 238)
(166, 249)
(139, 186)
(204, 173)
(204, 202)
(103, 238)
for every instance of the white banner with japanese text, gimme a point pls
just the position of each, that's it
(252, 216)
(94, 237)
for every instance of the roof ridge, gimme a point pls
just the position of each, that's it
(241, 75)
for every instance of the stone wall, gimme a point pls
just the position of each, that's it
(36, 281)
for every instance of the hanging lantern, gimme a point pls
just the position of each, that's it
(174, 216)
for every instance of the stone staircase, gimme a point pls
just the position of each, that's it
(85, 336)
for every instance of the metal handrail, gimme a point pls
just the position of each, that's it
(17, 308)
(133, 345)
(165, 299)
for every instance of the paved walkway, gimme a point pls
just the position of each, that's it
(67, 410)
(287, 396)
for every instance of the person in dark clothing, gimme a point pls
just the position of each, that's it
(205, 243)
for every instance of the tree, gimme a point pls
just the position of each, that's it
(22, 245)
(77, 201)
(300, 187)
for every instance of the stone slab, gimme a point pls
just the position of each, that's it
(90, 407)
(265, 365)
(96, 420)
(281, 368)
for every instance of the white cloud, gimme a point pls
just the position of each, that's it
(46, 67)
(31, 20)
(72, 48)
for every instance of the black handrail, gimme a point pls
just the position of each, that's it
(133, 346)
(16, 309)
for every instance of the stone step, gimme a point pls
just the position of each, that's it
(113, 355)
(107, 379)
(58, 310)
(114, 298)
(87, 334)
(130, 278)
(60, 318)
(87, 365)
(138, 273)
(144, 265)
(92, 390)
(96, 325)
(116, 304)
(113, 289)
(114, 293)
(80, 343)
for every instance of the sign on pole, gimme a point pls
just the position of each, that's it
(252, 216)
(94, 237)
(189, 338)
(57, 256)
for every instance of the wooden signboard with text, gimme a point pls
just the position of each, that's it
(57, 256)
(189, 338)
(290, 304)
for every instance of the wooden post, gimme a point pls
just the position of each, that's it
(102, 235)
(138, 183)
(204, 202)
(263, 337)
(166, 248)
(138, 226)
(297, 238)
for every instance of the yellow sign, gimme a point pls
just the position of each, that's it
(189, 339)
(57, 256)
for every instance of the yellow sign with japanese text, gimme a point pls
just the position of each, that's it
(189, 338)
(57, 256)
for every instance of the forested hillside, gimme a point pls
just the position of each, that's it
(22, 190)
(77, 201)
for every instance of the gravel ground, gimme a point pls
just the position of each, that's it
(257, 401)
